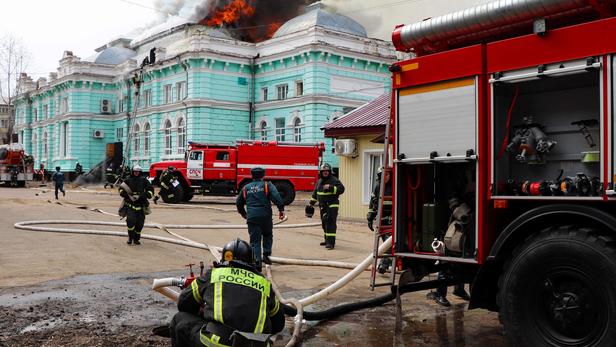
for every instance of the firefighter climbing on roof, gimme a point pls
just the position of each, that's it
(229, 299)
(326, 193)
(257, 196)
(385, 214)
(136, 190)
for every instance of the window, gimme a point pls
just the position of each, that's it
(146, 139)
(264, 93)
(121, 105)
(147, 98)
(119, 134)
(136, 140)
(297, 130)
(283, 91)
(168, 143)
(45, 111)
(167, 93)
(34, 146)
(222, 156)
(45, 146)
(263, 128)
(280, 129)
(372, 162)
(299, 88)
(64, 105)
(180, 90)
(63, 139)
(181, 136)
(195, 155)
(4, 123)
(35, 114)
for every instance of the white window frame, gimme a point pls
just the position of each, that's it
(297, 129)
(147, 133)
(136, 139)
(280, 131)
(45, 111)
(299, 88)
(368, 174)
(147, 98)
(35, 145)
(264, 92)
(167, 93)
(119, 134)
(181, 136)
(168, 149)
(282, 91)
(263, 130)
(180, 90)
(35, 114)
(64, 105)
(63, 139)
(45, 145)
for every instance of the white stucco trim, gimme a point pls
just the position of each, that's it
(365, 173)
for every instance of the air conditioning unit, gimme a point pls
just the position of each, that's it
(346, 147)
(105, 106)
(98, 134)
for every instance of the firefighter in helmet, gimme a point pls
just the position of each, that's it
(257, 197)
(168, 191)
(229, 299)
(136, 190)
(326, 194)
(382, 178)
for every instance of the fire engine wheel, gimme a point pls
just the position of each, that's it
(286, 190)
(559, 289)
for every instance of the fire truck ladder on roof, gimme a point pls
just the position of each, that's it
(381, 229)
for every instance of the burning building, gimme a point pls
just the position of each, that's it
(224, 78)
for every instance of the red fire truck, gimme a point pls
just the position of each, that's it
(15, 166)
(223, 169)
(502, 130)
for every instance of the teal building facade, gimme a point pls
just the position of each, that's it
(205, 87)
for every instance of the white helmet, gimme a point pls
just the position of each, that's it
(137, 168)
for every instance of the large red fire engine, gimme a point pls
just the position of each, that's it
(15, 166)
(224, 169)
(502, 129)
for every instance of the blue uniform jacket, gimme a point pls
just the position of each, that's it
(58, 177)
(257, 200)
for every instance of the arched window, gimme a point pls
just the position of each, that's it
(263, 128)
(168, 143)
(146, 139)
(297, 129)
(45, 146)
(34, 146)
(136, 140)
(181, 136)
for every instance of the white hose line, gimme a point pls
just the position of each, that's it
(298, 320)
(346, 278)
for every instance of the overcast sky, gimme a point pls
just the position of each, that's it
(48, 28)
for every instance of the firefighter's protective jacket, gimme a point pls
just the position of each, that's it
(327, 191)
(141, 191)
(374, 200)
(166, 177)
(236, 297)
(257, 195)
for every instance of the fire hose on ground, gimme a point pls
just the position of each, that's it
(292, 307)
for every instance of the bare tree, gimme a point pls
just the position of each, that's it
(13, 61)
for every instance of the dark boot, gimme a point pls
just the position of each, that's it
(384, 265)
(322, 243)
(329, 246)
(137, 242)
(130, 241)
(462, 294)
(439, 299)
(266, 259)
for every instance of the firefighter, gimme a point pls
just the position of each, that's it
(257, 196)
(231, 297)
(58, 181)
(386, 213)
(136, 191)
(326, 193)
(110, 176)
(78, 169)
(167, 189)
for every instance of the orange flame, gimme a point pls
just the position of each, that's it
(230, 14)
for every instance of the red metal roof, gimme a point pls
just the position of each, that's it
(368, 118)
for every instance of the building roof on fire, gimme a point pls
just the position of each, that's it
(316, 16)
(366, 119)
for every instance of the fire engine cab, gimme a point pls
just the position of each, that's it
(16, 167)
(502, 134)
(222, 169)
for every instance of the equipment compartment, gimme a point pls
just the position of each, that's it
(546, 139)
